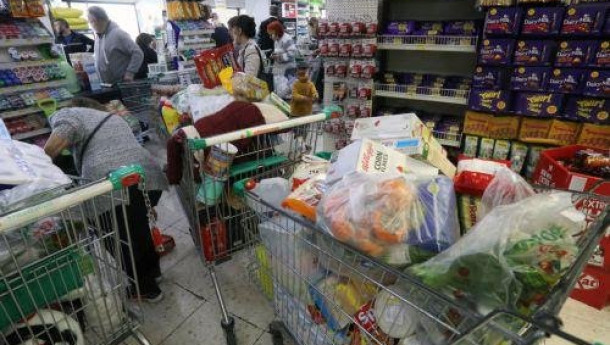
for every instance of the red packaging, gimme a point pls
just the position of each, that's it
(323, 29)
(601, 256)
(357, 49)
(369, 48)
(364, 93)
(352, 110)
(341, 69)
(345, 49)
(324, 49)
(355, 68)
(345, 29)
(333, 29)
(366, 319)
(371, 28)
(358, 28)
(210, 62)
(368, 70)
(592, 288)
(333, 48)
(213, 238)
(330, 69)
(365, 111)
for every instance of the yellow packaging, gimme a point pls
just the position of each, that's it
(504, 127)
(597, 136)
(490, 126)
(563, 132)
(225, 76)
(171, 118)
(477, 123)
(548, 131)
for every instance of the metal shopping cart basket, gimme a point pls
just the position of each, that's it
(138, 98)
(326, 292)
(62, 267)
(216, 214)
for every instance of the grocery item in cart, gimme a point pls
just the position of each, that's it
(395, 317)
(309, 167)
(55, 324)
(512, 257)
(305, 199)
(26, 170)
(388, 217)
(506, 188)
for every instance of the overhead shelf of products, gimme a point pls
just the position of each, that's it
(32, 86)
(31, 134)
(420, 93)
(458, 44)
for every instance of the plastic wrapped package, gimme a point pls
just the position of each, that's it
(512, 257)
(386, 215)
(506, 188)
(395, 317)
(272, 190)
(25, 170)
(291, 263)
(305, 199)
(309, 167)
(16, 250)
(248, 87)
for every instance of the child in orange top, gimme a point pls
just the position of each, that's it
(304, 92)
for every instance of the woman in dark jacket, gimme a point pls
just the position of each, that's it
(146, 43)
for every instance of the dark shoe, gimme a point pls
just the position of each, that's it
(154, 295)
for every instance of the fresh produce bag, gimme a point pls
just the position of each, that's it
(306, 197)
(512, 257)
(383, 215)
(506, 188)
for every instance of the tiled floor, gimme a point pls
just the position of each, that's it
(190, 314)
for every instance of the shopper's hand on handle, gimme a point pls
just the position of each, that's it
(128, 77)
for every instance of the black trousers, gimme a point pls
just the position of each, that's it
(144, 254)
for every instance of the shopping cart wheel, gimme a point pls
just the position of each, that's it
(277, 337)
(229, 329)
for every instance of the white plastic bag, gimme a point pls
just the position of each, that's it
(29, 169)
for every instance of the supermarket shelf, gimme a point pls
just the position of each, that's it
(28, 110)
(31, 134)
(458, 44)
(32, 86)
(26, 41)
(196, 32)
(420, 93)
(448, 139)
(197, 46)
(14, 64)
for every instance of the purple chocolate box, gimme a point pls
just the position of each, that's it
(460, 28)
(573, 53)
(488, 100)
(567, 80)
(584, 20)
(542, 21)
(533, 53)
(601, 54)
(490, 78)
(496, 51)
(401, 28)
(529, 78)
(597, 84)
(596, 110)
(502, 21)
(538, 104)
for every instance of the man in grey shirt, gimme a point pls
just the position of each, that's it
(117, 56)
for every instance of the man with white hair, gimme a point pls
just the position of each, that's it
(117, 56)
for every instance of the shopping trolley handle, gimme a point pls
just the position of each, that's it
(126, 176)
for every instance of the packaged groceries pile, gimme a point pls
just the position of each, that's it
(367, 241)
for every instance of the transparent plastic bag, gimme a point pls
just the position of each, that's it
(512, 257)
(506, 188)
(389, 217)
(248, 87)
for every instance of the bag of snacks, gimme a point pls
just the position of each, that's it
(248, 87)
(306, 197)
(512, 257)
(210, 62)
(378, 213)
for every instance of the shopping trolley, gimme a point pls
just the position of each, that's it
(326, 292)
(62, 264)
(216, 212)
(138, 98)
